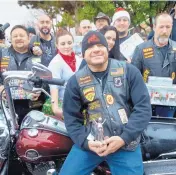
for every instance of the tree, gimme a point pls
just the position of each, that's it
(91, 9)
(141, 11)
(67, 21)
(73, 12)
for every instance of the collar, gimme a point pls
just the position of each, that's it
(13, 51)
(43, 40)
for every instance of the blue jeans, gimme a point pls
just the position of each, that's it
(80, 162)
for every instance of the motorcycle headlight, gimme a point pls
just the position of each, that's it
(33, 132)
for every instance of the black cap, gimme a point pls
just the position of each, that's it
(2, 34)
(31, 30)
(92, 38)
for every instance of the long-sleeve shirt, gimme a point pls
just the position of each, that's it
(138, 119)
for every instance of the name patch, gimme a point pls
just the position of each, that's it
(148, 52)
(84, 80)
(94, 105)
(94, 116)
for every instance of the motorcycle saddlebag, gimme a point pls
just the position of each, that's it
(159, 138)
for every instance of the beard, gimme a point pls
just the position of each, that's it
(121, 34)
(45, 31)
(163, 39)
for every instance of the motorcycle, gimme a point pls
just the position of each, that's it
(41, 143)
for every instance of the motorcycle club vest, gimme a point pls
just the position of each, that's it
(8, 60)
(152, 60)
(112, 104)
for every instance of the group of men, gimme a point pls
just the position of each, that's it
(105, 88)
(21, 55)
(114, 93)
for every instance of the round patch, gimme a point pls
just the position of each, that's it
(173, 75)
(109, 99)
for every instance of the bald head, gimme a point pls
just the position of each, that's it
(85, 26)
(43, 17)
(162, 16)
(162, 27)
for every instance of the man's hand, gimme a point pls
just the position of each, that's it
(113, 143)
(97, 147)
(58, 112)
(37, 50)
(4, 93)
(34, 96)
(128, 60)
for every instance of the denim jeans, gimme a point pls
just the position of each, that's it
(81, 162)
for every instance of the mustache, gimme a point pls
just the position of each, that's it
(163, 36)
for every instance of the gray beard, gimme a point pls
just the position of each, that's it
(122, 33)
(162, 40)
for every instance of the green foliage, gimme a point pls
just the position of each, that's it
(67, 21)
(74, 11)
(141, 11)
(91, 9)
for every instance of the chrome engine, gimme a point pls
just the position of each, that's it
(4, 139)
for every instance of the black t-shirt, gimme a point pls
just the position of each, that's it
(164, 51)
(47, 51)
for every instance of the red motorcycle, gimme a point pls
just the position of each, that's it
(41, 143)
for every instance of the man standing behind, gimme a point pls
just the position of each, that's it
(121, 21)
(84, 26)
(44, 40)
(101, 20)
(115, 97)
(157, 57)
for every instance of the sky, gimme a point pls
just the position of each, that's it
(12, 13)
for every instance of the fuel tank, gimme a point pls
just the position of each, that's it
(42, 138)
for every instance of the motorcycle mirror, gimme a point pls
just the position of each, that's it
(41, 70)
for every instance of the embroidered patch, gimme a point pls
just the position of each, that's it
(117, 81)
(36, 44)
(123, 116)
(173, 75)
(117, 71)
(36, 60)
(93, 38)
(94, 105)
(4, 63)
(84, 80)
(109, 99)
(89, 93)
(148, 52)
(94, 116)
(145, 75)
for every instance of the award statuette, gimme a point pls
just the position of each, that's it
(98, 129)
